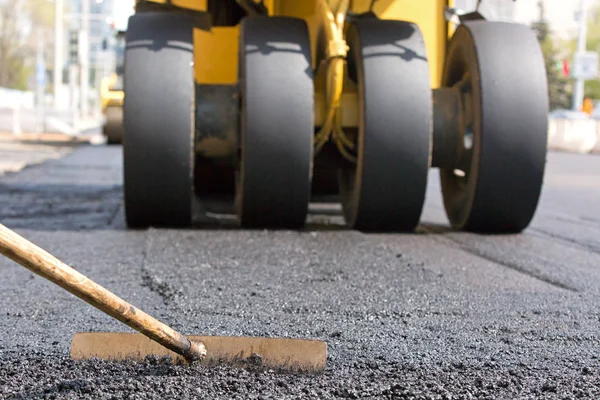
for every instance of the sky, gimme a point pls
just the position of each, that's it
(123, 9)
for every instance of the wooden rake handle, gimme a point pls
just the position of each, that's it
(44, 264)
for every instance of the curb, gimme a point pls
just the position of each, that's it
(46, 138)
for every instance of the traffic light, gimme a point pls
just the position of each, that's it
(74, 47)
(566, 70)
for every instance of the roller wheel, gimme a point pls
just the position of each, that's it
(497, 182)
(273, 181)
(385, 189)
(159, 120)
(113, 128)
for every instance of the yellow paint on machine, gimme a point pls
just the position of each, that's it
(198, 5)
(216, 55)
(216, 51)
(428, 15)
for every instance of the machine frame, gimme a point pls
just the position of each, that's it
(376, 168)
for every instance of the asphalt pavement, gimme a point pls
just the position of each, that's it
(15, 156)
(436, 314)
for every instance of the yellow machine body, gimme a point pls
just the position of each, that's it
(111, 91)
(427, 115)
(220, 44)
(112, 95)
(216, 49)
(109, 97)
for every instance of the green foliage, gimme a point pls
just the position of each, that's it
(41, 13)
(13, 73)
(559, 87)
(17, 44)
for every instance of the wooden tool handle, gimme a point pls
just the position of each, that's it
(44, 264)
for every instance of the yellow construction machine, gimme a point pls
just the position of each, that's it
(111, 95)
(273, 103)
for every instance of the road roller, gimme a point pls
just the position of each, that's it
(111, 95)
(268, 105)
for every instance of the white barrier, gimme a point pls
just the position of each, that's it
(10, 98)
(578, 136)
(596, 148)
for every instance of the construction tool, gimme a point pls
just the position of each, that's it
(297, 355)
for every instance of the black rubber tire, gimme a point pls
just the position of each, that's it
(158, 116)
(385, 189)
(113, 128)
(510, 102)
(277, 123)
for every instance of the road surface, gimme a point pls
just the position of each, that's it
(435, 314)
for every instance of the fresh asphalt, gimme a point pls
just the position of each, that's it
(430, 315)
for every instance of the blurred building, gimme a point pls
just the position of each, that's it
(100, 22)
(101, 27)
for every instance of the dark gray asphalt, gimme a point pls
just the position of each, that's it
(435, 314)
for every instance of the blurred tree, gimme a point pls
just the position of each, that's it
(13, 39)
(19, 21)
(41, 15)
(559, 86)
